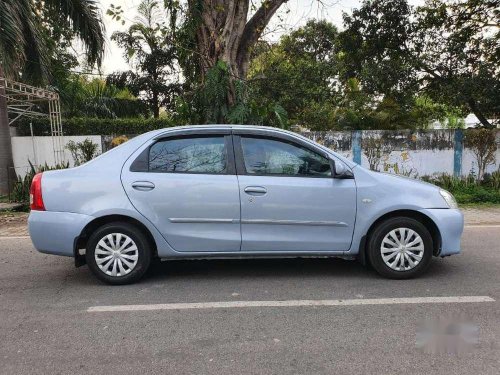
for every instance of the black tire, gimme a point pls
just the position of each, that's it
(143, 252)
(375, 242)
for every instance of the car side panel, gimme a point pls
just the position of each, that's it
(93, 190)
(380, 194)
(193, 212)
(297, 214)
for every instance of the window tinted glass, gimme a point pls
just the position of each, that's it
(196, 155)
(267, 156)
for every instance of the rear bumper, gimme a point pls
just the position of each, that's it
(56, 232)
(450, 223)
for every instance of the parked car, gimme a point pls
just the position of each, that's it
(237, 191)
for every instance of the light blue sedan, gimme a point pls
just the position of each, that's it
(237, 191)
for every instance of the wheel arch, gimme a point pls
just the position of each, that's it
(81, 240)
(424, 219)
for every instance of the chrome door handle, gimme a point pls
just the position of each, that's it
(143, 185)
(255, 190)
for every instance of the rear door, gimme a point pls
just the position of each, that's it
(289, 198)
(187, 187)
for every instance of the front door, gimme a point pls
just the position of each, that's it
(289, 199)
(187, 187)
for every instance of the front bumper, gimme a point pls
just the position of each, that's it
(55, 232)
(450, 223)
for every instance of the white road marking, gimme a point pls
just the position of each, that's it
(291, 303)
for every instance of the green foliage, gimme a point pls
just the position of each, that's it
(29, 28)
(312, 73)
(483, 144)
(371, 48)
(212, 103)
(394, 66)
(148, 49)
(357, 109)
(447, 50)
(93, 126)
(467, 189)
(97, 98)
(82, 152)
(493, 179)
(425, 110)
(21, 189)
(298, 73)
(215, 94)
(454, 122)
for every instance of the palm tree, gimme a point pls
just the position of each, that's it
(24, 51)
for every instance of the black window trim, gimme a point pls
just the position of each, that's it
(240, 162)
(141, 163)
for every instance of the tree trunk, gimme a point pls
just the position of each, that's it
(155, 105)
(226, 34)
(7, 173)
(480, 116)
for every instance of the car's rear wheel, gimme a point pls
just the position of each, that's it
(118, 253)
(400, 248)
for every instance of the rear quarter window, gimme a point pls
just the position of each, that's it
(189, 155)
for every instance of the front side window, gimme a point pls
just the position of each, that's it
(189, 155)
(264, 156)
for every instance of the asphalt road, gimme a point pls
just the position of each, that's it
(46, 328)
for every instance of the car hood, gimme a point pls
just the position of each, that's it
(394, 178)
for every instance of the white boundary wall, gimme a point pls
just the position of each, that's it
(423, 161)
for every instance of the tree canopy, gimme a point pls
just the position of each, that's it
(448, 50)
(31, 30)
(148, 49)
(389, 65)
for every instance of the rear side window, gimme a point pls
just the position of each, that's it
(264, 156)
(189, 155)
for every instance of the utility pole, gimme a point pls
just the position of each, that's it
(7, 173)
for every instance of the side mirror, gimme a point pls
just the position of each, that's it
(340, 170)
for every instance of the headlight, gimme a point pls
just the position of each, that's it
(449, 198)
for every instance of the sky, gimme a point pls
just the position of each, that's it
(293, 14)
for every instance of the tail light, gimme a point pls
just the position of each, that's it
(36, 199)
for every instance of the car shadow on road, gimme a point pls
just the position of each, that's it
(335, 268)
(276, 269)
(257, 268)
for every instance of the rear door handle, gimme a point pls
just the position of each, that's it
(143, 185)
(255, 190)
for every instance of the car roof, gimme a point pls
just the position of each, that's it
(221, 126)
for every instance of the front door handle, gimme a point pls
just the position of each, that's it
(143, 185)
(255, 190)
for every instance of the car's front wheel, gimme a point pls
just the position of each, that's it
(400, 248)
(118, 253)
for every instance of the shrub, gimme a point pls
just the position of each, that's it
(493, 179)
(82, 152)
(468, 189)
(482, 143)
(90, 126)
(118, 140)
